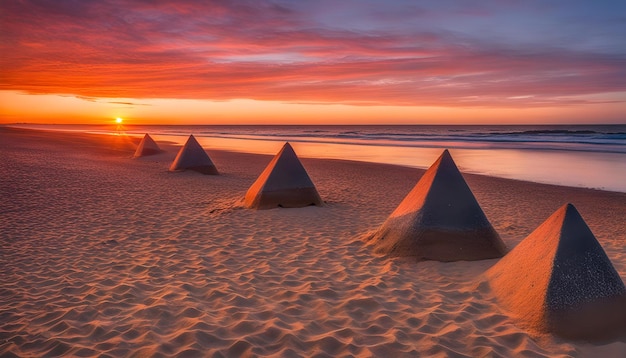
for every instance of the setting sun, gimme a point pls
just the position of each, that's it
(119, 120)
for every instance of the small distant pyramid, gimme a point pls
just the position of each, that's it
(193, 157)
(559, 280)
(283, 183)
(439, 220)
(147, 146)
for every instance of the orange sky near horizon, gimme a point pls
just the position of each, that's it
(312, 62)
(55, 109)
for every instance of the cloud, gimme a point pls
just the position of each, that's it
(129, 103)
(266, 50)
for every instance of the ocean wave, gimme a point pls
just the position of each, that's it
(588, 138)
(563, 132)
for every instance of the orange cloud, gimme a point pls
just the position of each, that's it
(223, 50)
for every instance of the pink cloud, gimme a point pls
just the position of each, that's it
(259, 50)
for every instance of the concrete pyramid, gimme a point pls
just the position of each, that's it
(193, 157)
(439, 220)
(559, 280)
(283, 183)
(147, 146)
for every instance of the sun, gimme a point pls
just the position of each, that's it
(119, 120)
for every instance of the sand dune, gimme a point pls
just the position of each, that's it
(102, 255)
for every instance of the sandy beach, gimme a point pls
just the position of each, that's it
(104, 255)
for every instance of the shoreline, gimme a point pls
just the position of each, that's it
(106, 254)
(576, 168)
(123, 148)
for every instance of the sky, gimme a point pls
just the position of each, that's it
(313, 62)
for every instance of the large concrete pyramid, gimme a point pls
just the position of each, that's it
(147, 146)
(283, 183)
(193, 157)
(439, 220)
(559, 280)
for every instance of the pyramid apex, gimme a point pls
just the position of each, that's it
(565, 207)
(287, 148)
(570, 209)
(191, 139)
(444, 163)
(446, 158)
(567, 217)
(570, 214)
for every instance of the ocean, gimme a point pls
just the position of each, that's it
(590, 156)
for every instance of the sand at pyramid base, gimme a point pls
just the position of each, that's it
(602, 319)
(203, 169)
(599, 320)
(147, 151)
(438, 244)
(287, 198)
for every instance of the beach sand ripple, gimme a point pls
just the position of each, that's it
(102, 255)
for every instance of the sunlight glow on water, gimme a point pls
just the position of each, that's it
(578, 156)
(606, 171)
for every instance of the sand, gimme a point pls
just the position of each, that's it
(103, 255)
